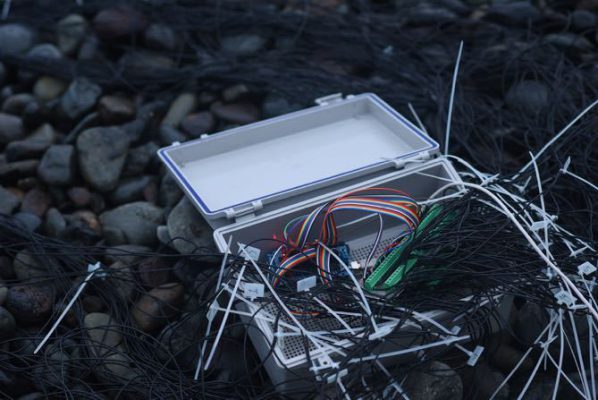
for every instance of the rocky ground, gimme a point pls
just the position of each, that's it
(78, 163)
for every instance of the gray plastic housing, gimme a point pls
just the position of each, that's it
(282, 161)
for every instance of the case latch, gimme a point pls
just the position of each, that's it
(331, 98)
(244, 212)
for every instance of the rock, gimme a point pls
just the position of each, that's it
(153, 271)
(45, 51)
(275, 105)
(179, 340)
(528, 96)
(144, 60)
(55, 224)
(93, 304)
(16, 38)
(8, 201)
(160, 37)
(104, 334)
(58, 164)
(44, 133)
(89, 49)
(54, 371)
(27, 266)
(71, 31)
(48, 88)
(84, 223)
(583, 20)
(11, 128)
(16, 103)
(154, 308)
(569, 41)
(169, 193)
(115, 109)
(137, 222)
(8, 325)
(506, 357)
(236, 113)
(541, 389)
(102, 152)
(243, 45)
(119, 22)
(28, 221)
(24, 149)
(179, 109)
(29, 303)
(514, 13)
(437, 382)
(28, 183)
(188, 229)
(2, 74)
(36, 201)
(163, 235)
(18, 169)
(234, 93)
(122, 279)
(79, 98)
(139, 158)
(3, 294)
(170, 135)
(6, 271)
(130, 190)
(80, 196)
(145, 115)
(197, 278)
(531, 319)
(482, 382)
(425, 14)
(197, 124)
(127, 253)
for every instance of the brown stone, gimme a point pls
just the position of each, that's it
(36, 201)
(154, 308)
(30, 303)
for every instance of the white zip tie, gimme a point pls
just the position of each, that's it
(590, 184)
(223, 264)
(91, 269)
(542, 205)
(393, 383)
(306, 332)
(557, 136)
(578, 348)
(419, 121)
(562, 275)
(224, 319)
(365, 304)
(451, 99)
(6, 8)
(335, 315)
(444, 342)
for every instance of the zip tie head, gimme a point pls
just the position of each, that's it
(253, 290)
(565, 168)
(474, 356)
(97, 270)
(586, 268)
(564, 298)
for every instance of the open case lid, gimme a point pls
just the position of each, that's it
(276, 161)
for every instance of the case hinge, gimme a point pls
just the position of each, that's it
(400, 163)
(331, 98)
(244, 212)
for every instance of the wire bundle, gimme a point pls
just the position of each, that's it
(298, 247)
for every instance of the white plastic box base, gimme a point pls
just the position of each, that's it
(286, 362)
